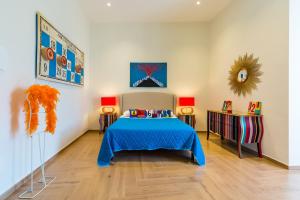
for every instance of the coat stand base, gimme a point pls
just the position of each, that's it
(38, 188)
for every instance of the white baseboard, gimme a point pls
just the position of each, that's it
(294, 167)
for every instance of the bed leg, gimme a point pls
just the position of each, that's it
(192, 157)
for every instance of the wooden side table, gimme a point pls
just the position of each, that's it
(188, 119)
(105, 120)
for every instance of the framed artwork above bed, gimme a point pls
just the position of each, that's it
(148, 74)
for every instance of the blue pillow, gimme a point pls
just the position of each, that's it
(166, 113)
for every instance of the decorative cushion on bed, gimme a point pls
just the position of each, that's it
(166, 113)
(149, 113)
(157, 114)
(154, 115)
(133, 113)
(126, 113)
(141, 113)
(161, 113)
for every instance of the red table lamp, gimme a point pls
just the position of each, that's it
(187, 104)
(108, 104)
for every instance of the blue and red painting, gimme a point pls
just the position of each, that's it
(148, 74)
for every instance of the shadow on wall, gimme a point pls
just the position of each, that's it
(16, 104)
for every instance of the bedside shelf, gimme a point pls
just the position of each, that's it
(188, 119)
(105, 120)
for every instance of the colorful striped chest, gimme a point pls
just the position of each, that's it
(243, 129)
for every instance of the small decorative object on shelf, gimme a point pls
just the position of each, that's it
(243, 129)
(106, 119)
(186, 104)
(188, 119)
(227, 107)
(254, 108)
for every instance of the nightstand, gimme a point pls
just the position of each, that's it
(188, 119)
(106, 119)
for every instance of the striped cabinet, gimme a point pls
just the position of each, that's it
(105, 120)
(243, 129)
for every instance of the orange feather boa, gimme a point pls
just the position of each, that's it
(45, 96)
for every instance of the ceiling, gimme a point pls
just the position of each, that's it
(152, 10)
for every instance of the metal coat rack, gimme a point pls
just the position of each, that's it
(44, 181)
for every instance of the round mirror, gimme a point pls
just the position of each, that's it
(242, 75)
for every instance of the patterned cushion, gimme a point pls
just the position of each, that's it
(141, 113)
(154, 115)
(149, 113)
(158, 112)
(133, 113)
(166, 113)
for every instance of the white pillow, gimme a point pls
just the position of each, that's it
(126, 114)
(173, 115)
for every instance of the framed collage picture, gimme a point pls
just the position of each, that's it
(57, 59)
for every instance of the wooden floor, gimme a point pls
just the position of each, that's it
(166, 175)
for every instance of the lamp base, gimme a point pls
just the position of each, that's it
(187, 110)
(108, 109)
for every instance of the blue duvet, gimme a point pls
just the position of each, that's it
(149, 134)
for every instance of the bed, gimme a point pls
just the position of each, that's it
(149, 133)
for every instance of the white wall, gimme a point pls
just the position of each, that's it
(294, 82)
(259, 27)
(184, 46)
(17, 56)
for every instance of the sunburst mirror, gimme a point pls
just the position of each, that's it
(244, 75)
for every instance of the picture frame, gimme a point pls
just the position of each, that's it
(57, 58)
(148, 74)
(254, 108)
(227, 106)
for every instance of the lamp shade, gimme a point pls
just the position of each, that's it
(108, 101)
(186, 101)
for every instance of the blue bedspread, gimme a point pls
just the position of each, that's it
(149, 134)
